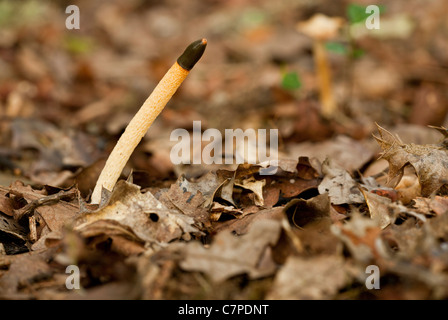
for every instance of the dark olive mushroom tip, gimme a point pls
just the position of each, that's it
(192, 54)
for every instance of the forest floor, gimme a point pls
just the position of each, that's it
(358, 208)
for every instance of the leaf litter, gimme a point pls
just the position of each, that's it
(306, 232)
(280, 238)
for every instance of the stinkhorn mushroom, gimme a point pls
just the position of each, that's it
(144, 118)
(322, 28)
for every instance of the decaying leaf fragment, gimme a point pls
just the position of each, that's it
(379, 208)
(429, 161)
(295, 281)
(229, 255)
(339, 185)
(188, 203)
(256, 186)
(361, 235)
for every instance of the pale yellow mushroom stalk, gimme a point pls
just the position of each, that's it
(321, 28)
(144, 118)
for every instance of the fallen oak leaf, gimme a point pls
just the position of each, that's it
(242, 177)
(313, 219)
(444, 132)
(429, 161)
(348, 153)
(18, 190)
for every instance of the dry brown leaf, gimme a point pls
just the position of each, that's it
(6, 203)
(439, 205)
(295, 281)
(19, 189)
(256, 186)
(313, 218)
(429, 161)
(292, 178)
(218, 209)
(241, 226)
(187, 203)
(425, 205)
(10, 227)
(302, 212)
(379, 208)
(344, 151)
(340, 186)
(408, 188)
(207, 185)
(43, 212)
(23, 270)
(121, 238)
(147, 217)
(57, 148)
(229, 255)
(362, 237)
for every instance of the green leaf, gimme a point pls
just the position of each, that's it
(356, 13)
(336, 47)
(291, 81)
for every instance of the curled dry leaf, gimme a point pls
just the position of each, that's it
(429, 161)
(218, 209)
(313, 218)
(58, 149)
(6, 203)
(303, 212)
(123, 239)
(379, 208)
(242, 226)
(256, 186)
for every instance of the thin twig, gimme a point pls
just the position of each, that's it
(28, 210)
